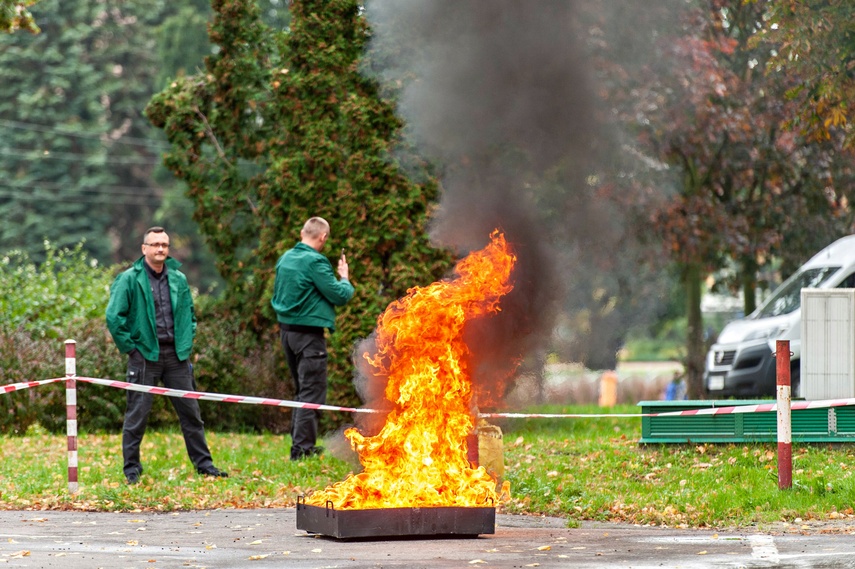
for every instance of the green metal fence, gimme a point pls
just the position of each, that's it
(809, 425)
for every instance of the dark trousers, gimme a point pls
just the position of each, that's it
(174, 374)
(307, 359)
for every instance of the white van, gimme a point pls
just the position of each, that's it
(742, 361)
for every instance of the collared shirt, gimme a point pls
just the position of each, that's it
(162, 304)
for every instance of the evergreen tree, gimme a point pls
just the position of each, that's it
(280, 127)
(79, 161)
(75, 152)
(182, 41)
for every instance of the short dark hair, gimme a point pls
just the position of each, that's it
(155, 229)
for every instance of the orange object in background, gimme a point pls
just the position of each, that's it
(608, 388)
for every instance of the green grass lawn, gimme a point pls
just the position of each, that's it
(594, 469)
(579, 469)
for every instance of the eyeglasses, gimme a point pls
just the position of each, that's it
(157, 245)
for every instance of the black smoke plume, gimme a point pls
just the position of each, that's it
(499, 95)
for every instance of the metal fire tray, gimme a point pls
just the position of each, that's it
(395, 522)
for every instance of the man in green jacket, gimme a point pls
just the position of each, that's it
(305, 294)
(152, 320)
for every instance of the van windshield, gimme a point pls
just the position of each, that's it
(788, 297)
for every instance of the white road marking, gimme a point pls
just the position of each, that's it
(763, 548)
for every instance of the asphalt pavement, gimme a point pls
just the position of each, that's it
(263, 539)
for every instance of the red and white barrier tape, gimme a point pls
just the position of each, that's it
(207, 396)
(761, 408)
(28, 384)
(733, 409)
(202, 395)
(562, 415)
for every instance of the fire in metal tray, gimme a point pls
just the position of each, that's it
(416, 478)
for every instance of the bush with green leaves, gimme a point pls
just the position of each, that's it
(40, 306)
(43, 299)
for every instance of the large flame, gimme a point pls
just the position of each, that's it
(419, 458)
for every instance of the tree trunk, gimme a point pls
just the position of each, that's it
(695, 351)
(749, 285)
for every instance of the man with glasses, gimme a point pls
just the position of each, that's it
(151, 318)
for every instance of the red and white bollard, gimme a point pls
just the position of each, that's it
(71, 412)
(785, 430)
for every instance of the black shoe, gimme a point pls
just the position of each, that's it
(133, 478)
(299, 454)
(213, 471)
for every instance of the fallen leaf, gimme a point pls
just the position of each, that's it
(212, 546)
(132, 542)
(702, 552)
(544, 548)
(256, 557)
(20, 554)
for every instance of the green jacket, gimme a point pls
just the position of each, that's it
(306, 291)
(130, 312)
